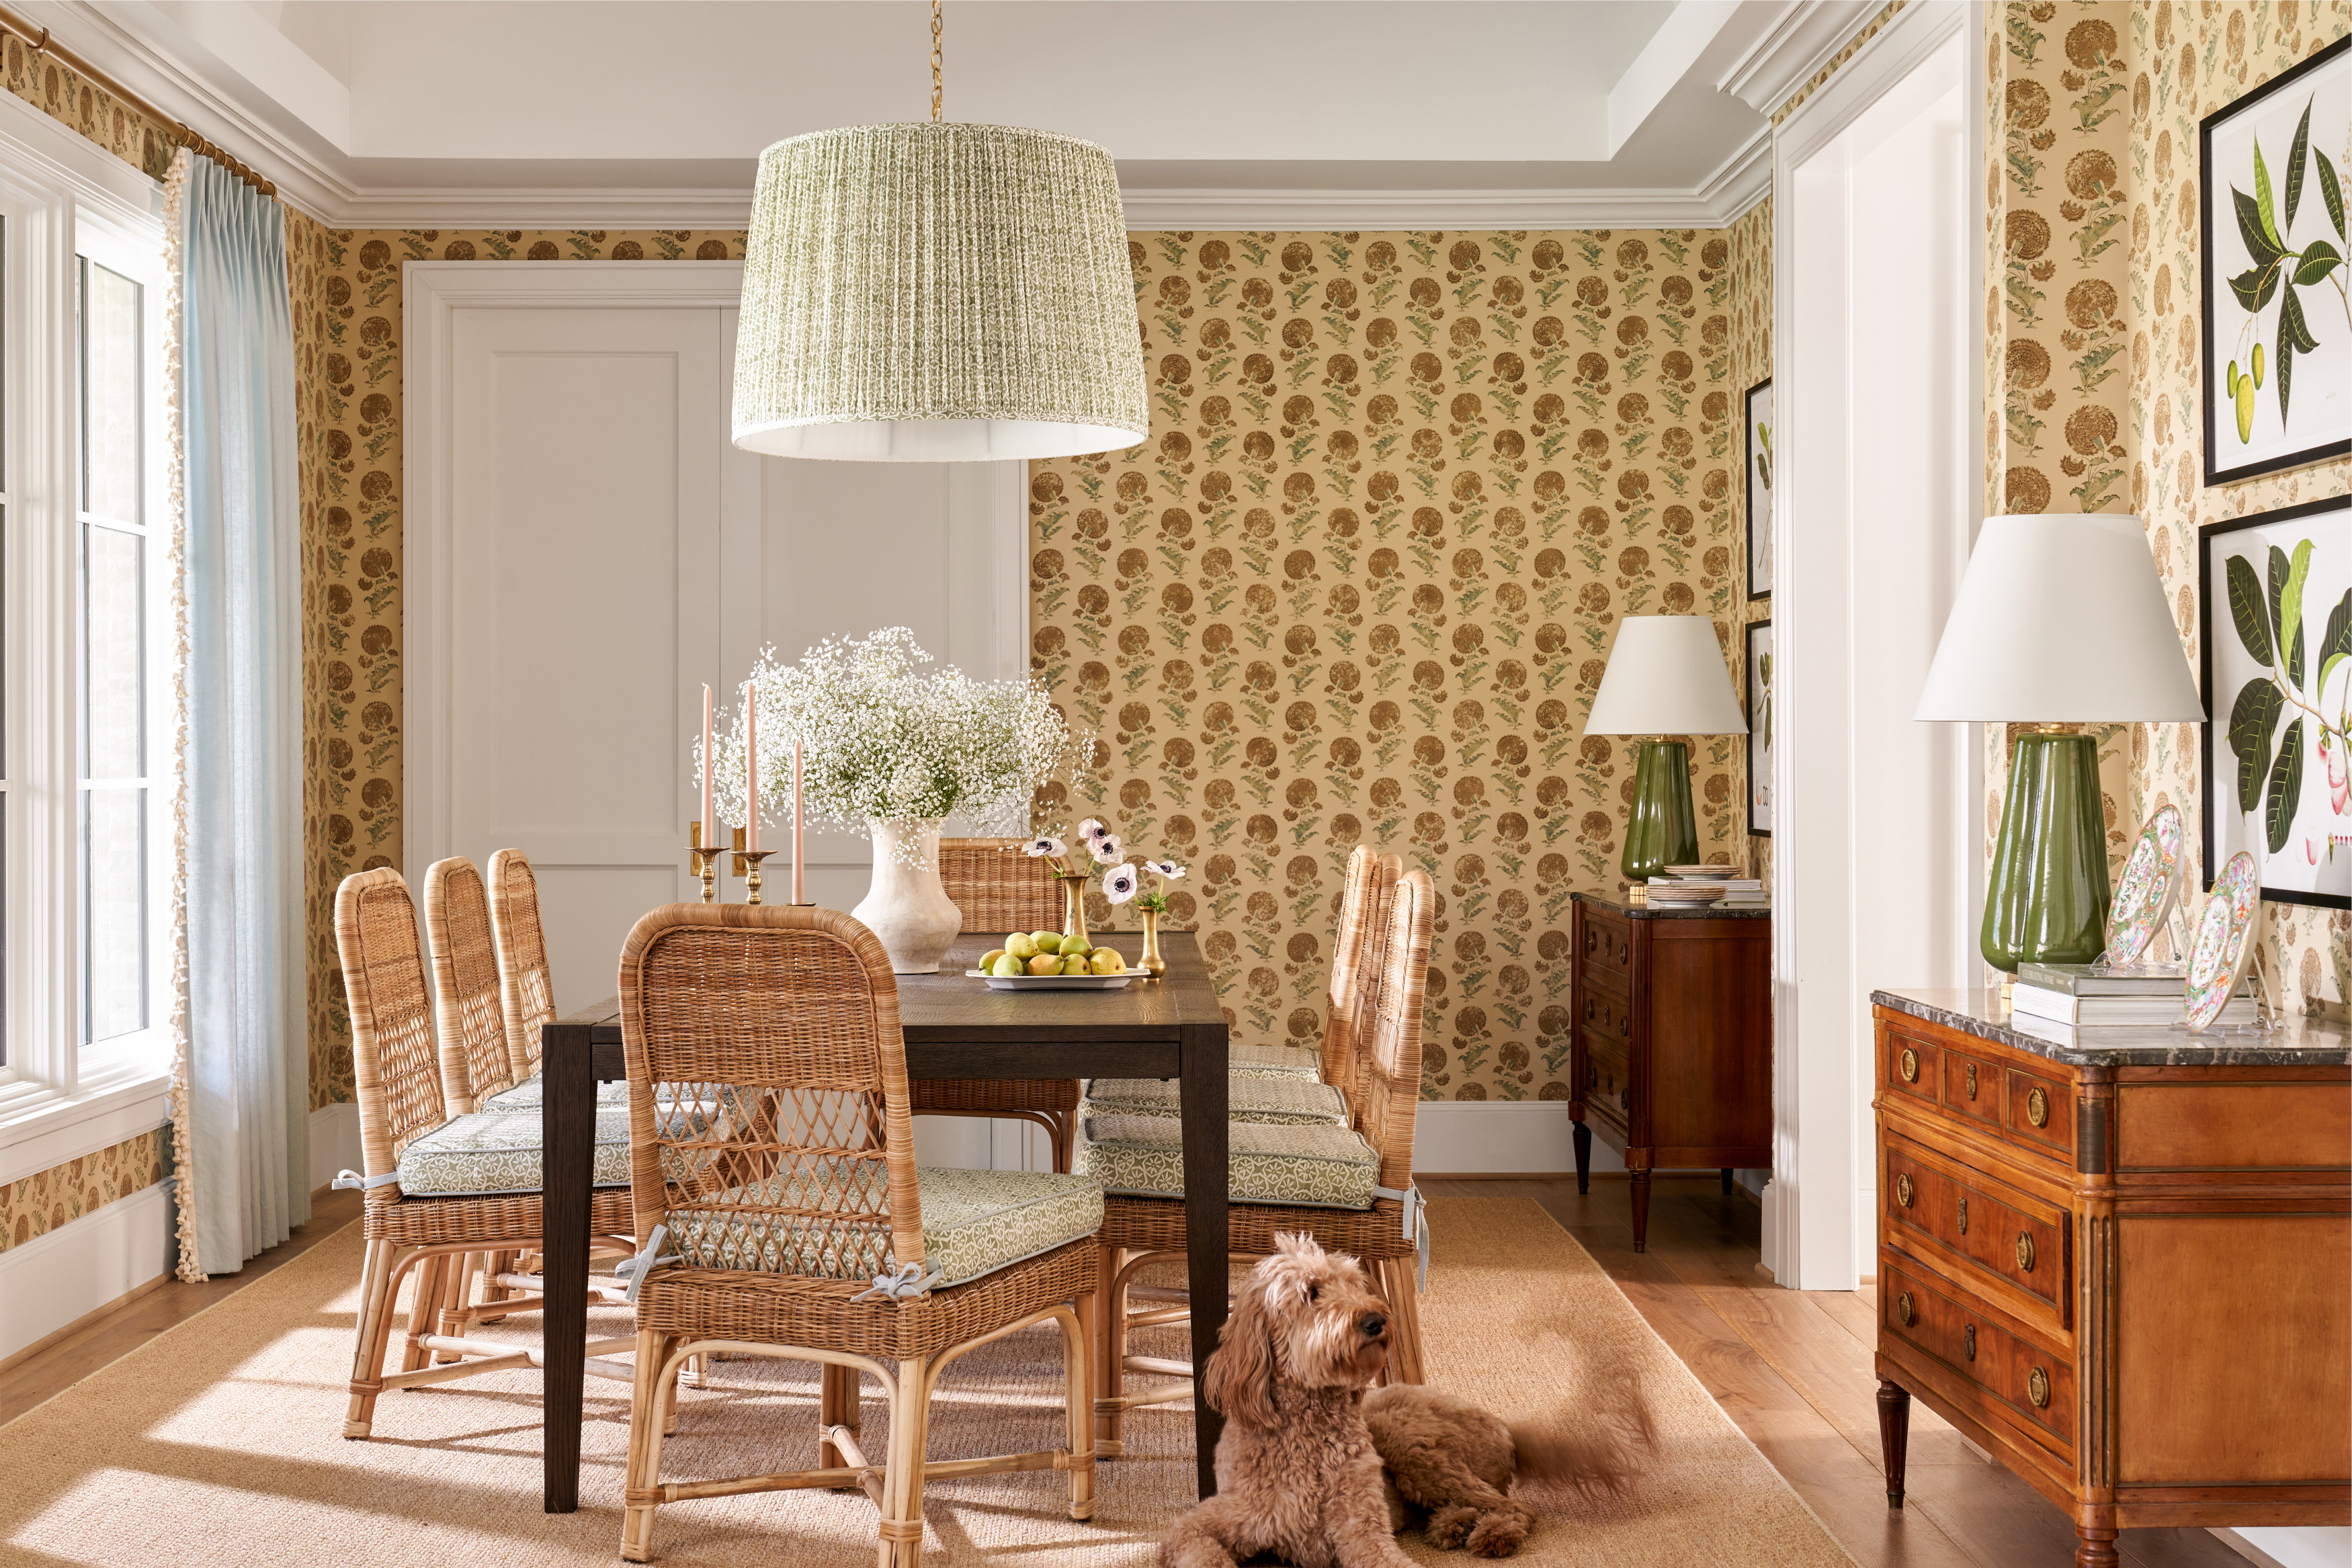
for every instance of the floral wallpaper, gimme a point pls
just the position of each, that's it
(1751, 361)
(347, 345)
(1358, 584)
(45, 1200)
(72, 99)
(2094, 337)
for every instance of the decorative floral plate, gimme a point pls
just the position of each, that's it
(2225, 929)
(2151, 880)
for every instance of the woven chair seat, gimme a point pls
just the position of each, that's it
(975, 1222)
(515, 1220)
(1320, 1165)
(1157, 1225)
(1272, 1061)
(796, 1309)
(1283, 1098)
(970, 1096)
(531, 1093)
(491, 1152)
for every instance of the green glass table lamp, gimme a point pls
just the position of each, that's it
(2061, 620)
(1667, 677)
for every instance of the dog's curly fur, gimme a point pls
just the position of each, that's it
(1314, 1469)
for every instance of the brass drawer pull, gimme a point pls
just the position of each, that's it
(1906, 1310)
(1625, 1026)
(1964, 1223)
(2037, 1388)
(2025, 1250)
(1968, 1341)
(1903, 1189)
(2037, 1108)
(1972, 1080)
(1907, 1064)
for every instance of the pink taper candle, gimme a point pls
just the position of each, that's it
(709, 823)
(751, 766)
(800, 892)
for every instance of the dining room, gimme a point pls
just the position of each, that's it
(1006, 782)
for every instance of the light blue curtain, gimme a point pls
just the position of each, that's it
(244, 1150)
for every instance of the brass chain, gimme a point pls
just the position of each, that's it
(937, 87)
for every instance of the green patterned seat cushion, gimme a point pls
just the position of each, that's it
(974, 1223)
(492, 1152)
(1275, 1098)
(1274, 1060)
(1316, 1165)
(531, 1093)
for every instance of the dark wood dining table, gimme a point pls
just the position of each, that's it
(955, 1027)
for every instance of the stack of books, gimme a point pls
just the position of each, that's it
(1738, 891)
(2079, 995)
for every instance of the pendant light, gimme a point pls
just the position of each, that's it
(937, 293)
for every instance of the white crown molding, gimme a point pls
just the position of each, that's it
(307, 181)
(1800, 43)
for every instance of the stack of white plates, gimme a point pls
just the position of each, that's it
(1684, 892)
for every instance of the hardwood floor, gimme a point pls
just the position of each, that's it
(1793, 1370)
(48, 1371)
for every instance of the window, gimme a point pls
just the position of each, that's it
(86, 766)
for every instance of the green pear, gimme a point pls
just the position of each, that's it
(1045, 964)
(1047, 941)
(1008, 966)
(1074, 965)
(987, 965)
(1077, 945)
(1107, 961)
(1020, 945)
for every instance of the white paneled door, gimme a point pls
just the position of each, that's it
(585, 548)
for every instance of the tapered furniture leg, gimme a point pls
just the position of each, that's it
(1203, 1062)
(643, 1468)
(568, 1111)
(1641, 1184)
(2094, 1548)
(1110, 1339)
(1078, 1339)
(1894, 1438)
(1727, 1183)
(1583, 1137)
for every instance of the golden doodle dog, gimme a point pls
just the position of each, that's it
(1315, 1470)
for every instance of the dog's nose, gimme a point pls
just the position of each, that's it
(1373, 1325)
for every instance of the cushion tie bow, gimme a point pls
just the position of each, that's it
(908, 1282)
(352, 1181)
(634, 1269)
(1416, 1226)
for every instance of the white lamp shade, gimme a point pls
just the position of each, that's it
(1666, 676)
(2060, 618)
(938, 294)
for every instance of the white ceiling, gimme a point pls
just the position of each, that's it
(1261, 111)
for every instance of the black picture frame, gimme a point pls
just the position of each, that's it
(2211, 391)
(1760, 737)
(2213, 601)
(1760, 565)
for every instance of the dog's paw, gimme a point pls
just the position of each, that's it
(1450, 1527)
(1497, 1535)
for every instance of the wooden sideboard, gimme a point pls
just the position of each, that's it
(2122, 1263)
(1671, 1058)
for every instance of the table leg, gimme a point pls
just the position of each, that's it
(1206, 1060)
(568, 1122)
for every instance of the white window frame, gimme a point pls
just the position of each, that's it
(61, 198)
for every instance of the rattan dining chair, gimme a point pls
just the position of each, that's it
(792, 1222)
(1351, 1189)
(436, 1188)
(467, 1012)
(1000, 889)
(526, 990)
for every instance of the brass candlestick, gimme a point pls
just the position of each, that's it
(705, 859)
(751, 860)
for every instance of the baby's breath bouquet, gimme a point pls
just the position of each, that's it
(886, 741)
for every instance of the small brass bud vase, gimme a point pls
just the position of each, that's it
(1074, 907)
(1151, 963)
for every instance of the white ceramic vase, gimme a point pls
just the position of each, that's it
(908, 907)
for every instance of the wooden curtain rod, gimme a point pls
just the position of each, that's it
(174, 132)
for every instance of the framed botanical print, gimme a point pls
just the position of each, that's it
(2278, 328)
(1758, 405)
(1760, 729)
(2276, 633)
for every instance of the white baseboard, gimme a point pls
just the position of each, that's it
(334, 1141)
(81, 1266)
(2280, 1546)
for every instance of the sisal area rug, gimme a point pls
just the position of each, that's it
(219, 1442)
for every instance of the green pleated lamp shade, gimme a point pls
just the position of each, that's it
(932, 293)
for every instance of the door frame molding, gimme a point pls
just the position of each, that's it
(1819, 1233)
(432, 293)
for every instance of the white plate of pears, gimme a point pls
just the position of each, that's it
(1046, 961)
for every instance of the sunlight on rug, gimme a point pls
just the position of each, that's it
(218, 1442)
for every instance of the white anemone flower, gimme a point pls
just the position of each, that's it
(1121, 884)
(1166, 871)
(1093, 833)
(1044, 844)
(1108, 851)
